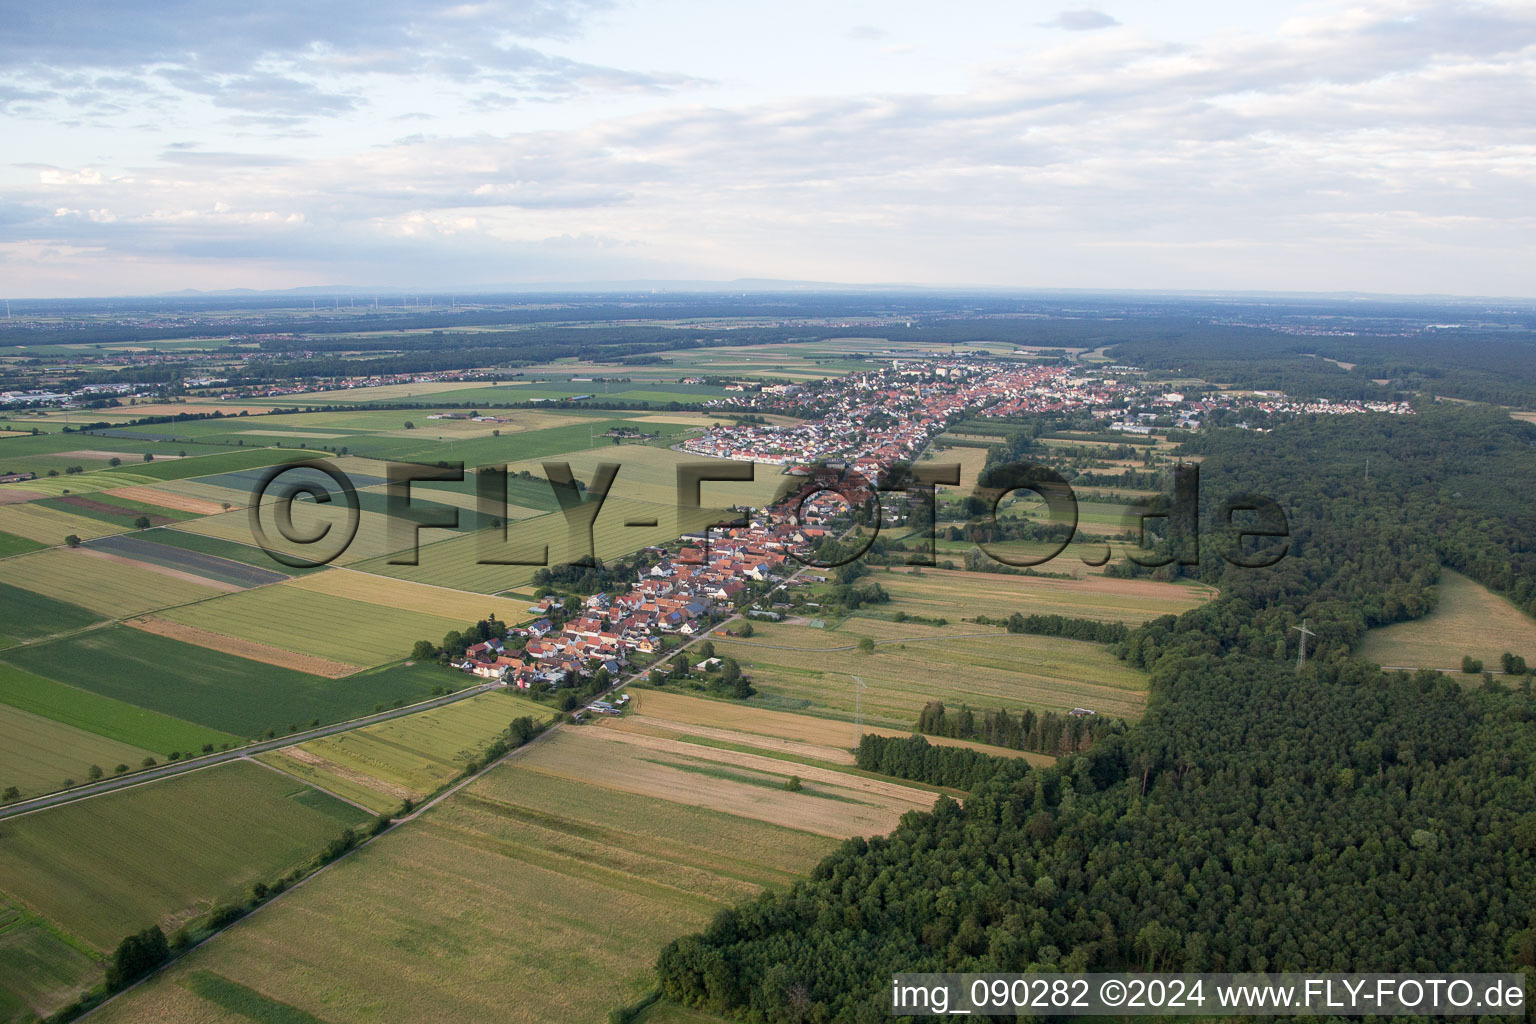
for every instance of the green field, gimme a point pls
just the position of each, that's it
(210, 688)
(405, 758)
(38, 754)
(39, 971)
(1014, 671)
(29, 615)
(161, 853)
(300, 620)
(10, 544)
(103, 716)
(1468, 619)
(525, 898)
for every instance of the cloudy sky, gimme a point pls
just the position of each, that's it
(153, 145)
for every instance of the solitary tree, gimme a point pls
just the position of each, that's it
(11, 793)
(141, 523)
(73, 540)
(94, 772)
(866, 645)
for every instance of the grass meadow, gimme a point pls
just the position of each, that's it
(161, 853)
(1468, 619)
(798, 667)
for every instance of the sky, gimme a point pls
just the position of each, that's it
(157, 145)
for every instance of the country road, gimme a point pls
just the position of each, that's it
(193, 764)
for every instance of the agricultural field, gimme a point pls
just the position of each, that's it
(914, 664)
(406, 596)
(405, 758)
(39, 971)
(1467, 619)
(317, 624)
(954, 595)
(205, 566)
(226, 549)
(49, 526)
(832, 803)
(10, 544)
(38, 754)
(101, 868)
(230, 696)
(519, 884)
(31, 616)
(795, 736)
(102, 716)
(101, 583)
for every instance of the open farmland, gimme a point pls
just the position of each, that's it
(111, 587)
(39, 971)
(295, 619)
(30, 616)
(954, 595)
(206, 686)
(913, 664)
(210, 567)
(1468, 619)
(699, 719)
(832, 803)
(518, 886)
(37, 754)
(405, 758)
(407, 596)
(161, 853)
(101, 715)
(49, 526)
(10, 544)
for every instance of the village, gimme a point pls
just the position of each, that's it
(679, 596)
(881, 416)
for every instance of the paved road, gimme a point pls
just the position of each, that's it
(169, 769)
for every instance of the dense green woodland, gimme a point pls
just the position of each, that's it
(1259, 817)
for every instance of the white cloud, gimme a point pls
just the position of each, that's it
(1382, 146)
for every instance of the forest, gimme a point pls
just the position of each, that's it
(1262, 815)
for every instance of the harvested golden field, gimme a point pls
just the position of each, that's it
(824, 739)
(1468, 619)
(407, 596)
(405, 758)
(525, 898)
(110, 587)
(955, 594)
(168, 499)
(49, 525)
(797, 667)
(832, 803)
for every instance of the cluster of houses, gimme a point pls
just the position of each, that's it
(892, 413)
(680, 595)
